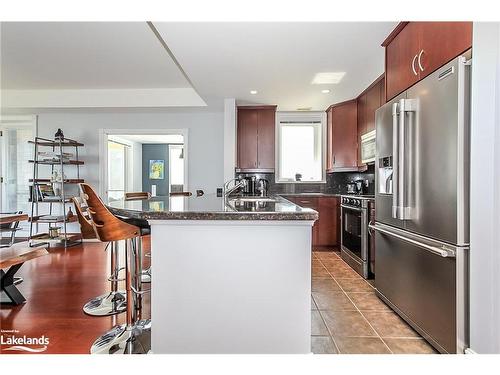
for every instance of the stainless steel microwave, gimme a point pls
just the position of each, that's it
(368, 147)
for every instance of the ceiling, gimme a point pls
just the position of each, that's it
(214, 60)
(279, 60)
(85, 55)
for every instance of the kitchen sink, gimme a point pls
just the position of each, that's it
(252, 199)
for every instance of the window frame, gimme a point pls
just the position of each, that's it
(300, 117)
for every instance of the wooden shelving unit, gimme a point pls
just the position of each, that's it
(51, 219)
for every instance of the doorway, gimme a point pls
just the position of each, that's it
(146, 161)
(15, 169)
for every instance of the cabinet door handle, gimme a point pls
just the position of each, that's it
(413, 65)
(333, 159)
(420, 60)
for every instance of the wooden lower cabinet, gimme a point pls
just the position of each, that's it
(325, 231)
(328, 208)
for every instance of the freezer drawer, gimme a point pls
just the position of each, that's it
(421, 286)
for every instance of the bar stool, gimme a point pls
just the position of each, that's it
(133, 337)
(143, 225)
(115, 301)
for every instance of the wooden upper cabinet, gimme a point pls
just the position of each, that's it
(265, 138)
(382, 91)
(368, 102)
(372, 104)
(361, 121)
(362, 103)
(247, 138)
(256, 137)
(329, 130)
(441, 42)
(399, 56)
(344, 146)
(416, 49)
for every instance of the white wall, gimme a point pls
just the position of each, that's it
(206, 135)
(229, 138)
(485, 190)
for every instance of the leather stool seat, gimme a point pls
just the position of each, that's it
(141, 224)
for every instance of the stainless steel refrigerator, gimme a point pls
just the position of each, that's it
(422, 205)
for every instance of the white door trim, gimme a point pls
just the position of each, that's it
(103, 155)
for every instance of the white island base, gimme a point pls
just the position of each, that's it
(231, 286)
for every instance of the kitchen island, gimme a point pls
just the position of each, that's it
(228, 276)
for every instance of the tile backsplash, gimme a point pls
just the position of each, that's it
(336, 182)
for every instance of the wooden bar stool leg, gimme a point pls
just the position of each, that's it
(113, 302)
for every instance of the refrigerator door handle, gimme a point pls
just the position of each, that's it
(438, 249)
(395, 160)
(401, 161)
(401, 210)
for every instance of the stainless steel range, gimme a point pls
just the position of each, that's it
(355, 239)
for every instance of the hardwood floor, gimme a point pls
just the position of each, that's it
(56, 287)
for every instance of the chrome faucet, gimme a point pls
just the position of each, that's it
(238, 183)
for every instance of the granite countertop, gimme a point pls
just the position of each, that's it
(210, 207)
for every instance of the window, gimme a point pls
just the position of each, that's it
(15, 151)
(300, 147)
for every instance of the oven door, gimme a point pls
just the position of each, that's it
(354, 232)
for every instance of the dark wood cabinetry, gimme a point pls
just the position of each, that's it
(342, 130)
(265, 138)
(247, 138)
(326, 229)
(416, 49)
(255, 138)
(399, 56)
(362, 100)
(368, 102)
(328, 223)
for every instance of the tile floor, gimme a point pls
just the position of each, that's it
(348, 318)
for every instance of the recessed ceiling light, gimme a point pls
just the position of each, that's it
(325, 91)
(304, 109)
(327, 78)
(253, 92)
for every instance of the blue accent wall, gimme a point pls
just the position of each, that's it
(155, 152)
